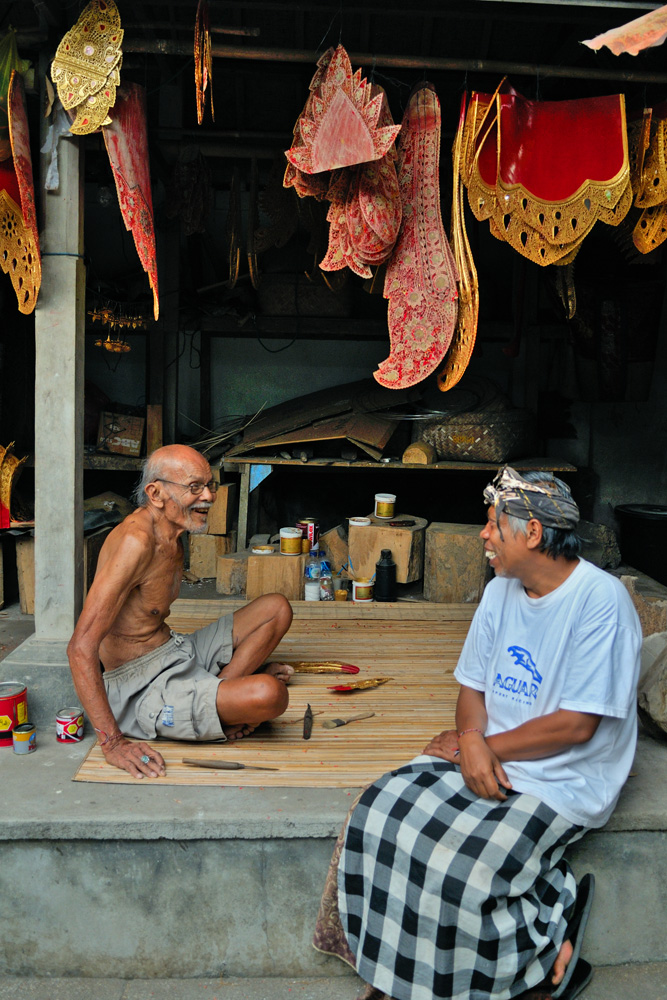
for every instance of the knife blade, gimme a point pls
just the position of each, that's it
(308, 723)
(227, 765)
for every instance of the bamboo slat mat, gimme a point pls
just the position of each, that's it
(419, 653)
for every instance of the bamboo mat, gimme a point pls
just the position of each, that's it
(416, 644)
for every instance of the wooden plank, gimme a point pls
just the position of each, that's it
(231, 575)
(222, 513)
(521, 465)
(417, 653)
(406, 546)
(204, 552)
(153, 427)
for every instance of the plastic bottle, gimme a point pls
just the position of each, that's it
(311, 576)
(385, 577)
(326, 582)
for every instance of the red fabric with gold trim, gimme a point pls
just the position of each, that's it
(20, 140)
(127, 145)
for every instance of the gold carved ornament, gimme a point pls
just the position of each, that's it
(460, 351)
(86, 66)
(203, 60)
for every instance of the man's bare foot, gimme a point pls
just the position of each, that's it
(563, 959)
(234, 733)
(282, 671)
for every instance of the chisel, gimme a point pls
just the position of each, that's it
(227, 765)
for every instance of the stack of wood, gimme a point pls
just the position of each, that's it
(220, 537)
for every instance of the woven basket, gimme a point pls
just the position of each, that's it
(483, 436)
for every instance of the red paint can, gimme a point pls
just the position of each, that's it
(13, 709)
(310, 531)
(69, 724)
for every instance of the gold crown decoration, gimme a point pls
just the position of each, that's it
(86, 66)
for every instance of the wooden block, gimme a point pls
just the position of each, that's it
(232, 573)
(275, 574)
(153, 428)
(204, 552)
(455, 567)
(334, 543)
(25, 566)
(221, 514)
(406, 545)
(419, 453)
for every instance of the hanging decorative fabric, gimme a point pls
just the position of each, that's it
(127, 145)
(420, 280)
(366, 211)
(19, 235)
(189, 191)
(203, 60)
(9, 61)
(463, 341)
(544, 172)
(308, 185)
(641, 33)
(86, 66)
(340, 128)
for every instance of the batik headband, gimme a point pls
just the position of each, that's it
(512, 494)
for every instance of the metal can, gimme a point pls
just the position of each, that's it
(69, 724)
(24, 738)
(310, 531)
(13, 709)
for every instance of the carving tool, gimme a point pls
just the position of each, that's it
(371, 682)
(334, 723)
(227, 765)
(308, 723)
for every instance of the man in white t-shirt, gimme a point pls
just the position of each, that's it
(451, 879)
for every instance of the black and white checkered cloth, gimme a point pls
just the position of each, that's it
(445, 894)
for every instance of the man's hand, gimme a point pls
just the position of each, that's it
(482, 771)
(446, 746)
(128, 757)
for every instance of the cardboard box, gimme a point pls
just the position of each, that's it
(120, 434)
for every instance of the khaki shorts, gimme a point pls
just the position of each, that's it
(171, 692)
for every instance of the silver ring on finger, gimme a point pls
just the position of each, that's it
(145, 759)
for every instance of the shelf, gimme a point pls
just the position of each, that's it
(520, 464)
(112, 463)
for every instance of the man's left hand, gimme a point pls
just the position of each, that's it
(446, 746)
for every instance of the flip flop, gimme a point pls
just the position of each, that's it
(575, 934)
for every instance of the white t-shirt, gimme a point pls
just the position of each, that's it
(577, 648)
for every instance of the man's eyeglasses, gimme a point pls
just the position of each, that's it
(195, 488)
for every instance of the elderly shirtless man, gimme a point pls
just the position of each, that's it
(157, 683)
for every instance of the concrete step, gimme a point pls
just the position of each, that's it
(618, 982)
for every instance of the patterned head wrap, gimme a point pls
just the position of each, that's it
(512, 494)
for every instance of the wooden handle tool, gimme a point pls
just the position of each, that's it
(334, 723)
(227, 765)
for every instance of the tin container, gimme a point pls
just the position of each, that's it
(24, 738)
(290, 541)
(13, 709)
(385, 505)
(69, 724)
(310, 532)
(362, 591)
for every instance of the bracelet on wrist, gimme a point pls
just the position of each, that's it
(473, 729)
(111, 738)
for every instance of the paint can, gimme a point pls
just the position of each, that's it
(385, 505)
(290, 541)
(24, 738)
(362, 591)
(310, 532)
(69, 724)
(13, 709)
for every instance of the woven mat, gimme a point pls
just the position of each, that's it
(418, 653)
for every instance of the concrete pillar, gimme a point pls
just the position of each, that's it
(41, 662)
(59, 378)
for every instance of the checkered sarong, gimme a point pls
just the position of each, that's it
(445, 894)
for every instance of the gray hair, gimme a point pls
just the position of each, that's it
(555, 541)
(150, 471)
